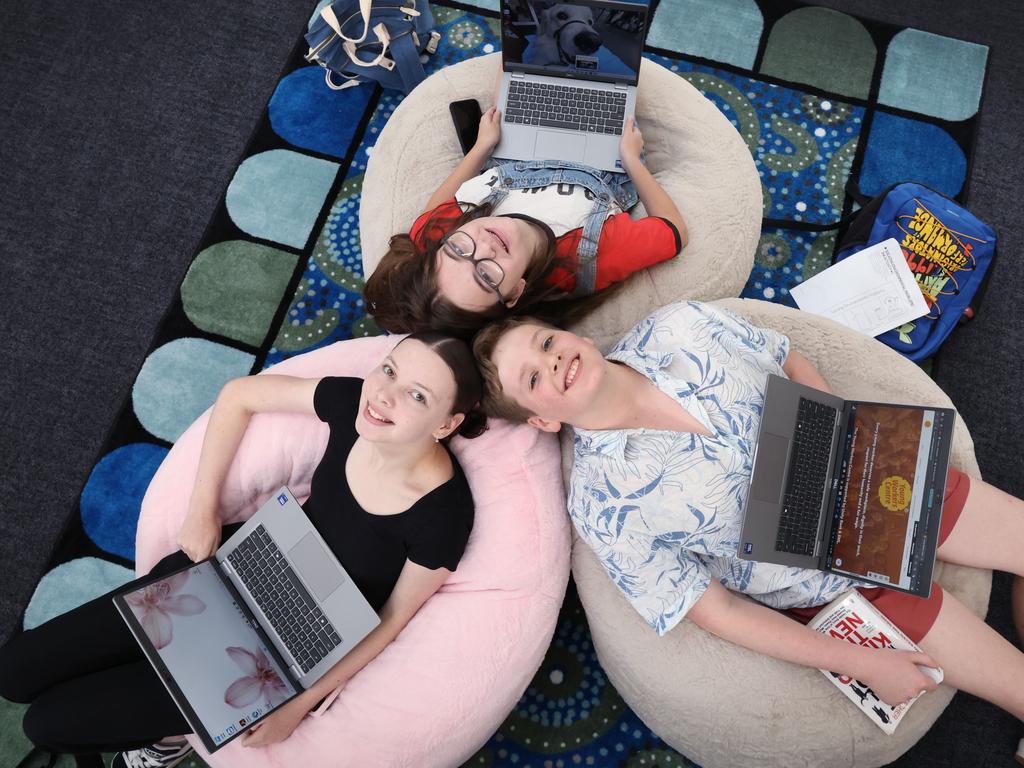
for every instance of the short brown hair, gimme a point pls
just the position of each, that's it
(494, 401)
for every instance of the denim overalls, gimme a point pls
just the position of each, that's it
(602, 187)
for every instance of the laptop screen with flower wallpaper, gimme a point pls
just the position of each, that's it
(220, 671)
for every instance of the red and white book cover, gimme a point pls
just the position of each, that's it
(852, 618)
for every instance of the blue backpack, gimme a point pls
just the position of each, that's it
(948, 249)
(360, 41)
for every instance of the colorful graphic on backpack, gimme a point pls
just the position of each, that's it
(948, 249)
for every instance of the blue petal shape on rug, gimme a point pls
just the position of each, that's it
(305, 112)
(71, 584)
(180, 380)
(113, 495)
(723, 30)
(277, 195)
(900, 149)
(933, 75)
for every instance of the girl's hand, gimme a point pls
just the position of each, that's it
(199, 536)
(490, 132)
(894, 675)
(631, 144)
(277, 726)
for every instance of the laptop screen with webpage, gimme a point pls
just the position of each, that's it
(890, 491)
(201, 642)
(586, 39)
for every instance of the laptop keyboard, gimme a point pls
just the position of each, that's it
(805, 486)
(559, 106)
(303, 628)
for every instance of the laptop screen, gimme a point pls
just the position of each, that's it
(199, 636)
(585, 39)
(893, 482)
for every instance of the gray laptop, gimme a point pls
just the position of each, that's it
(848, 487)
(569, 82)
(235, 636)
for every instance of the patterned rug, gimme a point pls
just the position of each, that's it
(818, 96)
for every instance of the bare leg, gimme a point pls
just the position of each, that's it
(989, 533)
(1017, 601)
(975, 657)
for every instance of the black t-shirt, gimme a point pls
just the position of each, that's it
(373, 548)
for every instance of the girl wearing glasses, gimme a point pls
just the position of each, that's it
(536, 236)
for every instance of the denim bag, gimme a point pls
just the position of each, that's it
(359, 41)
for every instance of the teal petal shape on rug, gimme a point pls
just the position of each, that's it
(112, 496)
(234, 288)
(277, 195)
(900, 149)
(822, 48)
(180, 380)
(721, 30)
(71, 584)
(933, 75)
(305, 112)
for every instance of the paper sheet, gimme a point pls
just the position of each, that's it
(872, 291)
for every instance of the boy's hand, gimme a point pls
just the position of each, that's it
(489, 135)
(895, 676)
(631, 144)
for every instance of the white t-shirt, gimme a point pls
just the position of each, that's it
(563, 207)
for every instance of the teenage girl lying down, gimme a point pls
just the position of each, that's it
(522, 236)
(665, 427)
(388, 497)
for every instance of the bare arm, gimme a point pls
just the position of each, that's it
(236, 403)
(893, 675)
(802, 371)
(655, 199)
(486, 140)
(415, 586)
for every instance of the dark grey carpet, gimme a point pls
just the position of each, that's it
(120, 126)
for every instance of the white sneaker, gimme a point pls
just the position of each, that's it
(153, 756)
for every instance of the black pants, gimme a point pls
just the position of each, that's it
(88, 684)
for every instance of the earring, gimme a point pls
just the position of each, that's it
(437, 439)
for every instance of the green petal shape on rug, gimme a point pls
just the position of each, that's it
(277, 195)
(722, 30)
(822, 48)
(234, 288)
(933, 75)
(71, 584)
(180, 380)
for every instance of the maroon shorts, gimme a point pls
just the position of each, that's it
(914, 615)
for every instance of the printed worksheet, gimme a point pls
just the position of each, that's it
(872, 291)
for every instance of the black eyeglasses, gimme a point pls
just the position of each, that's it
(461, 247)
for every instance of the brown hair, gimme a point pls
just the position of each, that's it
(494, 401)
(402, 294)
(456, 354)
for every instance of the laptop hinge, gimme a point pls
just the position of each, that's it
(296, 672)
(621, 86)
(226, 567)
(517, 75)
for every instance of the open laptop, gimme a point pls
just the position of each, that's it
(848, 487)
(235, 636)
(569, 82)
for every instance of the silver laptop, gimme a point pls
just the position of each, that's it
(569, 82)
(848, 487)
(235, 636)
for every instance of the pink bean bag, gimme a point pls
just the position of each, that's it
(439, 691)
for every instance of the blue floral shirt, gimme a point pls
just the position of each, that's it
(663, 510)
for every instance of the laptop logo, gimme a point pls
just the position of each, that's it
(748, 548)
(282, 499)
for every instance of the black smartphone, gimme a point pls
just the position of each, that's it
(466, 115)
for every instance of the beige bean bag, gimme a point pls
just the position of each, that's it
(692, 149)
(722, 705)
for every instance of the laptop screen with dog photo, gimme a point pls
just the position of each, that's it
(593, 40)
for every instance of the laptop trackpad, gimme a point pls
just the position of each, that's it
(315, 566)
(770, 477)
(564, 146)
